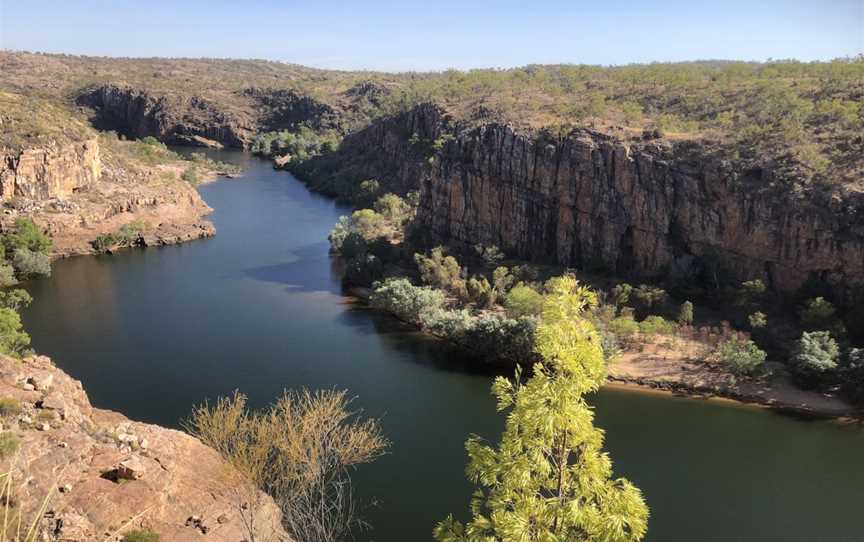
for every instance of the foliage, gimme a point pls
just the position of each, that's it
(816, 356)
(819, 314)
(491, 255)
(300, 451)
(523, 300)
(141, 535)
(14, 341)
(621, 294)
(653, 325)
(649, 296)
(548, 479)
(741, 356)
(7, 275)
(363, 270)
(406, 301)
(9, 406)
(494, 336)
(127, 235)
(685, 313)
(190, 175)
(394, 209)
(26, 235)
(854, 374)
(28, 263)
(750, 294)
(757, 320)
(300, 144)
(441, 271)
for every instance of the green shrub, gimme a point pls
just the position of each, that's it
(494, 336)
(816, 356)
(757, 320)
(685, 313)
(624, 327)
(104, 242)
(13, 340)
(441, 271)
(28, 263)
(190, 175)
(9, 444)
(9, 406)
(523, 300)
(406, 301)
(652, 325)
(393, 208)
(26, 236)
(141, 535)
(741, 356)
(7, 275)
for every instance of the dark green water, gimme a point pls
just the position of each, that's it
(258, 308)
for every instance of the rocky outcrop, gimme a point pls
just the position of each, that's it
(106, 475)
(52, 172)
(588, 200)
(280, 109)
(75, 194)
(181, 119)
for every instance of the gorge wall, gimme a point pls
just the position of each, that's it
(52, 172)
(588, 200)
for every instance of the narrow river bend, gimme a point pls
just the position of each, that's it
(259, 308)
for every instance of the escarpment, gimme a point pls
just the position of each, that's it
(230, 120)
(588, 200)
(105, 475)
(182, 119)
(52, 172)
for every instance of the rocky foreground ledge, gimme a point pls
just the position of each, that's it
(107, 475)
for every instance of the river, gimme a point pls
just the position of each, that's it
(259, 308)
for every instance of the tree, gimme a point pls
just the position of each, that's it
(14, 341)
(548, 479)
(750, 294)
(621, 294)
(685, 314)
(816, 356)
(741, 356)
(649, 296)
(393, 208)
(523, 300)
(300, 451)
(28, 263)
(27, 236)
(819, 314)
(441, 271)
(757, 320)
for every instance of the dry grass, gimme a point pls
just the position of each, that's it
(300, 451)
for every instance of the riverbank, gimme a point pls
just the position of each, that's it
(677, 371)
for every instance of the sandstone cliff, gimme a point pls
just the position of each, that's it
(107, 474)
(76, 192)
(45, 173)
(588, 200)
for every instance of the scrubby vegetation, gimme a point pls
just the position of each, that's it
(300, 451)
(128, 235)
(141, 535)
(299, 144)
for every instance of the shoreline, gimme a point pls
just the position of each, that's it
(773, 397)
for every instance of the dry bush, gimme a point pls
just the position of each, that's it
(300, 451)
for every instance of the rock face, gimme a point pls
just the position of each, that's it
(44, 173)
(590, 201)
(107, 475)
(280, 109)
(74, 195)
(183, 120)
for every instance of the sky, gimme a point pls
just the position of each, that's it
(436, 35)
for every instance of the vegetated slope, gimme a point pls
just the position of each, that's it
(643, 169)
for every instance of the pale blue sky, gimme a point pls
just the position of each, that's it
(406, 35)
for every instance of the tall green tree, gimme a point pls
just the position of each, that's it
(548, 480)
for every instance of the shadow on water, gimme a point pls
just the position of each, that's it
(300, 275)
